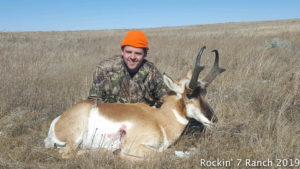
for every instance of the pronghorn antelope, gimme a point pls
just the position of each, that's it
(135, 130)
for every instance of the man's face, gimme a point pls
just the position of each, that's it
(133, 57)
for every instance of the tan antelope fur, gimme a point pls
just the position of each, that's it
(135, 129)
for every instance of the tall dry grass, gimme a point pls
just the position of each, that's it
(257, 99)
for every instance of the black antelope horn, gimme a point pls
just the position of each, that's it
(215, 70)
(194, 81)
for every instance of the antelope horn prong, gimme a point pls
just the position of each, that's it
(215, 70)
(193, 83)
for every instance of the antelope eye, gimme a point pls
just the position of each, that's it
(189, 96)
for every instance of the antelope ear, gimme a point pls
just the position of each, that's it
(171, 85)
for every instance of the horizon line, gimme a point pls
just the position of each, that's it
(155, 27)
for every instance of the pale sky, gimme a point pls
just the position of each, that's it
(61, 15)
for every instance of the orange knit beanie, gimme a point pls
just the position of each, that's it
(136, 39)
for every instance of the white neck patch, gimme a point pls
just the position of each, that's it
(179, 118)
(194, 112)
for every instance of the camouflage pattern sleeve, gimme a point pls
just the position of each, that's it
(97, 91)
(158, 87)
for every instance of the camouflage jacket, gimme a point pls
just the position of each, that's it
(113, 83)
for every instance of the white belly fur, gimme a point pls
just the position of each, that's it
(103, 133)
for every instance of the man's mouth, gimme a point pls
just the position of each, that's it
(132, 62)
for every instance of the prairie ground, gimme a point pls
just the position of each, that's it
(257, 99)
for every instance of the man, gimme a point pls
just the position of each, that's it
(129, 78)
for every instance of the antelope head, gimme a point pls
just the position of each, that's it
(193, 91)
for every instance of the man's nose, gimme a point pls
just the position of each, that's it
(133, 56)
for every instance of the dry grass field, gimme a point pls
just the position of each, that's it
(257, 99)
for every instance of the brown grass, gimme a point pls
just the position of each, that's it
(257, 99)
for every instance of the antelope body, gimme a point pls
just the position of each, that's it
(135, 129)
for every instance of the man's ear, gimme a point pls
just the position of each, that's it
(171, 85)
(122, 51)
(145, 52)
